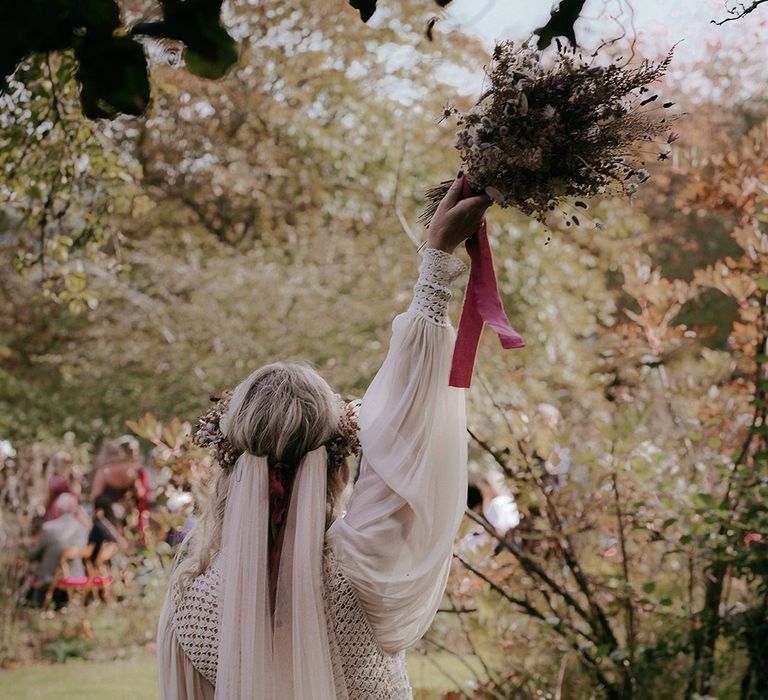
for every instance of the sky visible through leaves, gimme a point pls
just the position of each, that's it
(658, 23)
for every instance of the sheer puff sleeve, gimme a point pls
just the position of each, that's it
(395, 541)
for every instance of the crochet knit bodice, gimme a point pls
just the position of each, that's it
(361, 670)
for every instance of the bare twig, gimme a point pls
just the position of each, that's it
(531, 566)
(473, 648)
(497, 456)
(629, 610)
(447, 675)
(457, 611)
(739, 12)
(561, 677)
(523, 603)
(562, 540)
(447, 650)
(396, 204)
(556, 625)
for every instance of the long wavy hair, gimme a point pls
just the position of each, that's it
(282, 412)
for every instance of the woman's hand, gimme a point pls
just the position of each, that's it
(456, 218)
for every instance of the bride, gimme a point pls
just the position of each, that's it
(275, 599)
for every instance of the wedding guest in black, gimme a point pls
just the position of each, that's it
(103, 529)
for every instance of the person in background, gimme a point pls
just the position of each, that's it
(67, 529)
(121, 479)
(181, 503)
(498, 505)
(311, 603)
(118, 469)
(105, 539)
(103, 529)
(491, 498)
(61, 480)
(554, 459)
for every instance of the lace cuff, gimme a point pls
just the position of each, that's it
(432, 292)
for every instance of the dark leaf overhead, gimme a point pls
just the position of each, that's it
(560, 23)
(113, 71)
(366, 8)
(113, 74)
(210, 51)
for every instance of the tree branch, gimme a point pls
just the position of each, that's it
(460, 657)
(497, 456)
(532, 567)
(473, 648)
(629, 610)
(447, 675)
(739, 12)
(558, 626)
(396, 204)
(562, 541)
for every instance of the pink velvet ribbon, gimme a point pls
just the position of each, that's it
(482, 304)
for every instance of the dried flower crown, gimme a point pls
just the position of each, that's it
(343, 443)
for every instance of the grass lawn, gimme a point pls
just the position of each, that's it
(135, 678)
(129, 679)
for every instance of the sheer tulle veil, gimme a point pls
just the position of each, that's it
(284, 656)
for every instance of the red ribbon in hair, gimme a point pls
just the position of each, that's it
(482, 304)
(281, 478)
(280, 481)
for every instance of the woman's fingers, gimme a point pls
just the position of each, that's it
(481, 200)
(456, 218)
(454, 193)
(473, 206)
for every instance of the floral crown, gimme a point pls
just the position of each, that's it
(343, 443)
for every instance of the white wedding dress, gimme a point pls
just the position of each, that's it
(385, 562)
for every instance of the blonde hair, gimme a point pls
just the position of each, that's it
(281, 412)
(122, 449)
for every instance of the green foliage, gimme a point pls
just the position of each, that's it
(63, 649)
(215, 229)
(63, 183)
(111, 66)
(259, 217)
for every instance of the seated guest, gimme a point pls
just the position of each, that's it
(67, 529)
(105, 538)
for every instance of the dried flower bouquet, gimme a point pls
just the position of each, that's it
(539, 138)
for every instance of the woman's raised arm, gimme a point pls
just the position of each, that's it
(395, 542)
